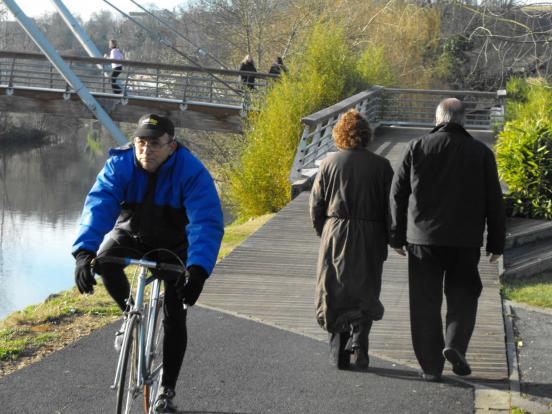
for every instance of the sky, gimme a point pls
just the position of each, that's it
(84, 8)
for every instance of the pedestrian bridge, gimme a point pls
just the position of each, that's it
(193, 97)
(390, 107)
(212, 99)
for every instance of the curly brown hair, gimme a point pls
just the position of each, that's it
(352, 130)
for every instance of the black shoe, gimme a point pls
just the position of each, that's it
(360, 358)
(164, 402)
(339, 356)
(431, 377)
(459, 364)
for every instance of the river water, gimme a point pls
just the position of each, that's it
(41, 195)
(42, 191)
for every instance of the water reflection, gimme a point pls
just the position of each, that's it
(42, 191)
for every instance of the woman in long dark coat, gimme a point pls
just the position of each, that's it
(349, 210)
(248, 65)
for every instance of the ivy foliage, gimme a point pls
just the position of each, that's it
(524, 149)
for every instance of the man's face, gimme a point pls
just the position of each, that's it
(152, 152)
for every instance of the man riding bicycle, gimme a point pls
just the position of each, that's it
(154, 194)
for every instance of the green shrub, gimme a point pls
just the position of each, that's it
(518, 90)
(524, 151)
(374, 68)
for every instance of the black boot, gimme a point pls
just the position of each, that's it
(359, 343)
(360, 358)
(339, 356)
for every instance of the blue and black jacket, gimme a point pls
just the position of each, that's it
(177, 207)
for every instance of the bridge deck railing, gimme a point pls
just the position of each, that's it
(390, 106)
(139, 79)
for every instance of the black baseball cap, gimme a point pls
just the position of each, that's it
(154, 126)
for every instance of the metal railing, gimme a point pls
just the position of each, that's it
(416, 107)
(390, 106)
(186, 84)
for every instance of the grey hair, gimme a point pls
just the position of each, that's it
(450, 110)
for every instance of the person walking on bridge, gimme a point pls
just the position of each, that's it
(116, 68)
(155, 195)
(445, 190)
(248, 65)
(278, 67)
(349, 210)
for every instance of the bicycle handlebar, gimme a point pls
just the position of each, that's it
(139, 262)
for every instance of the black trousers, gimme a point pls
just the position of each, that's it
(114, 73)
(428, 267)
(174, 322)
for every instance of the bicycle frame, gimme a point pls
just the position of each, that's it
(145, 339)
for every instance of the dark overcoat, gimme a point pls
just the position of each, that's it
(349, 210)
(444, 192)
(249, 80)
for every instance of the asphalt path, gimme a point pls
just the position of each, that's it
(233, 365)
(534, 330)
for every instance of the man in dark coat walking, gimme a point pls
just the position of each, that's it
(443, 193)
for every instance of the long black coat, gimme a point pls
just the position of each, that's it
(349, 210)
(248, 79)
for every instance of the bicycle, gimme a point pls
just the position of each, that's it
(140, 362)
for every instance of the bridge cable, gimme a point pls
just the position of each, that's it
(168, 26)
(164, 41)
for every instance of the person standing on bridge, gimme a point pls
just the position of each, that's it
(116, 68)
(349, 210)
(444, 191)
(278, 67)
(248, 65)
(155, 195)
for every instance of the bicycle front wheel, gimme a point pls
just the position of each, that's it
(127, 388)
(154, 350)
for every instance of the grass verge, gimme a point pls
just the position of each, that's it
(535, 291)
(28, 335)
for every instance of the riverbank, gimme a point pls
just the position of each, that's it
(26, 336)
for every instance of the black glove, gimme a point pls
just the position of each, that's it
(83, 271)
(190, 290)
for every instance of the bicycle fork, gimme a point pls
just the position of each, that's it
(137, 310)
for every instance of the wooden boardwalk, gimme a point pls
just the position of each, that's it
(271, 277)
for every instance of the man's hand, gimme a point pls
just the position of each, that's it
(83, 271)
(400, 250)
(190, 290)
(494, 257)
